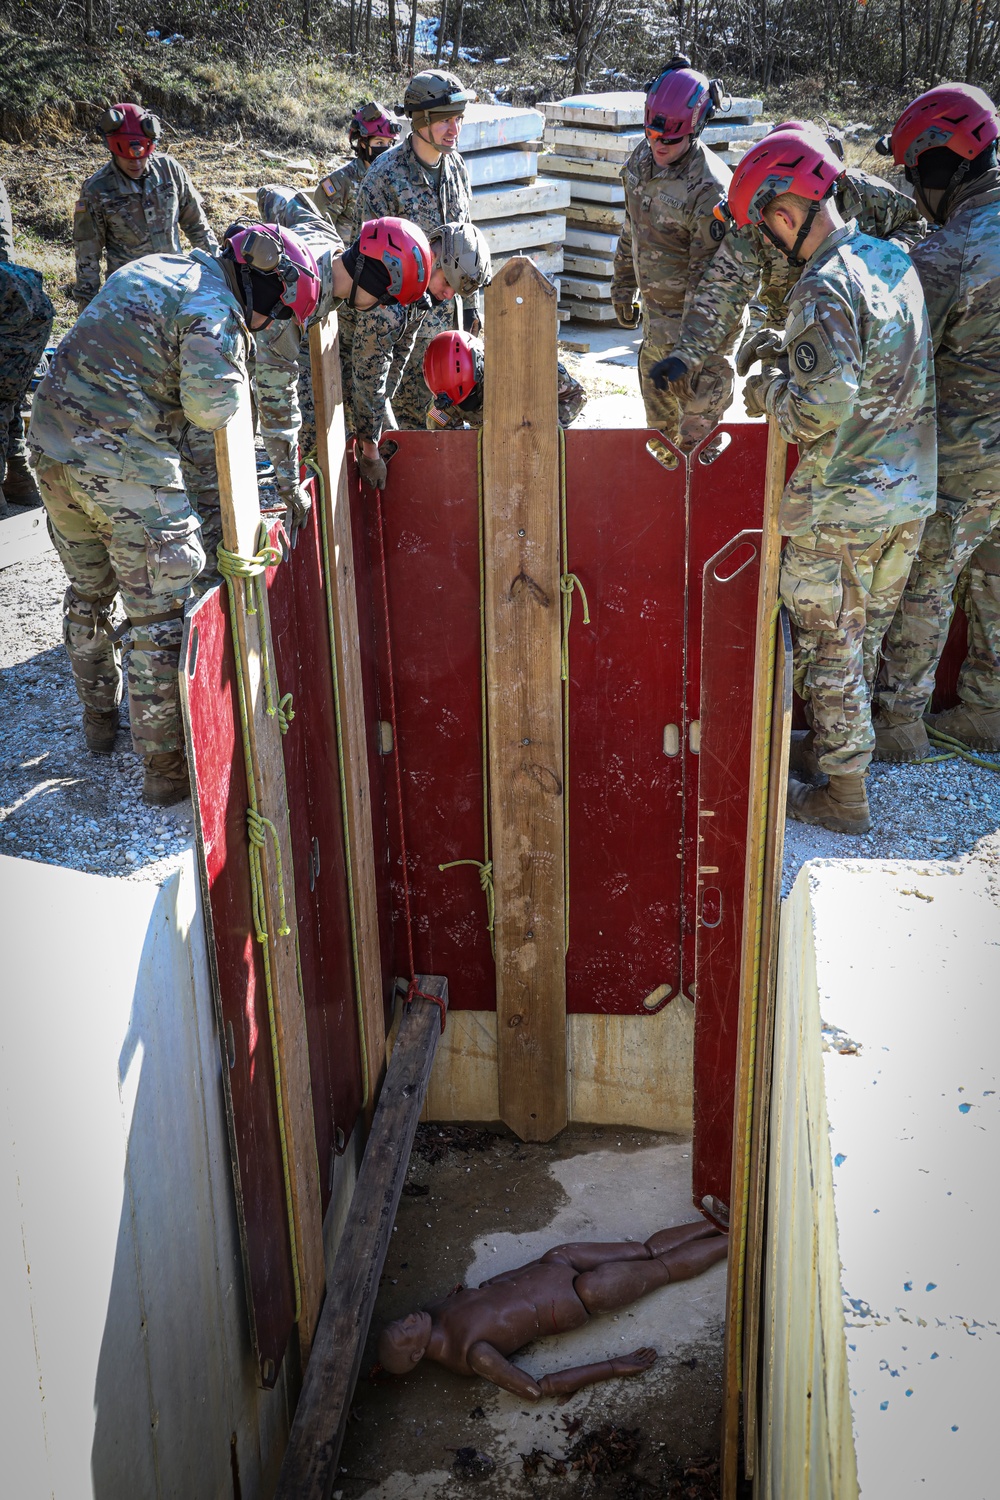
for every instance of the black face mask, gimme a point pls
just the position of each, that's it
(368, 274)
(940, 173)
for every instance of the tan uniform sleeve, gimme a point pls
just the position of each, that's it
(623, 282)
(191, 215)
(212, 370)
(89, 238)
(823, 350)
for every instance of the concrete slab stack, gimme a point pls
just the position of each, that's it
(590, 137)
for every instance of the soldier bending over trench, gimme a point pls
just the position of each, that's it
(473, 1330)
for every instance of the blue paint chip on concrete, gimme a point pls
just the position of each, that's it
(934, 1355)
(907, 1286)
(954, 1429)
(931, 1286)
(883, 1406)
(910, 1392)
(963, 1109)
(839, 1159)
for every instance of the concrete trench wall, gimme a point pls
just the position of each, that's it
(127, 1372)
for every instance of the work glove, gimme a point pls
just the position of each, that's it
(628, 313)
(297, 499)
(373, 470)
(668, 371)
(756, 389)
(759, 345)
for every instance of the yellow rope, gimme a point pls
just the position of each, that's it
(957, 750)
(236, 569)
(251, 571)
(485, 868)
(348, 866)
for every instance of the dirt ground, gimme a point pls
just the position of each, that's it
(488, 1203)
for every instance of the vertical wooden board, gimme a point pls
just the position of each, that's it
(521, 510)
(208, 696)
(336, 503)
(626, 690)
(297, 603)
(430, 516)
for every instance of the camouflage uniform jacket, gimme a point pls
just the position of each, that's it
(670, 232)
(282, 349)
(571, 397)
(6, 225)
(123, 220)
(959, 268)
(336, 198)
(162, 345)
(748, 266)
(398, 185)
(383, 341)
(858, 397)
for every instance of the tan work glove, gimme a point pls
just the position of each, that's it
(373, 470)
(628, 313)
(759, 345)
(756, 389)
(298, 501)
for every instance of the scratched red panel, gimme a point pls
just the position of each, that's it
(430, 510)
(626, 543)
(730, 582)
(299, 630)
(248, 1078)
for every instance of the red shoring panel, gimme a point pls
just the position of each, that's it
(625, 528)
(216, 750)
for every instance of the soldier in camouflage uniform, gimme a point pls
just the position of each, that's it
(25, 322)
(336, 197)
(136, 205)
(454, 363)
(849, 380)
(423, 179)
(163, 346)
(947, 141)
(750, 269)
(673, 184)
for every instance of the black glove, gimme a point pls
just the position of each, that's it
(667, 372)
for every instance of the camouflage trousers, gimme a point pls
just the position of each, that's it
(689, 410)
(841, 589)
(115, 537)
(25, 322)
(411, 398)
(571, 396)
(966, 546)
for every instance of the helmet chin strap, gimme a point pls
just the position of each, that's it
(792, 255)
(940, 213)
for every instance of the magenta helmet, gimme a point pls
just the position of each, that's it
(278, 271)
(680, 102)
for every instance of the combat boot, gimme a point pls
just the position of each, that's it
(979, 728)
(841, 805)
(802, 762)
(166, 778)
(19, 485)
(100, 729)
(898, 738)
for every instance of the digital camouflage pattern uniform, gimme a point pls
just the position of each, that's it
(571, 396)
(750, 269)
(398, 184)
(858, 399)
(336, 198)
(25, 323)
(161, 349)
(123, 220)
(959, 268)
(669, 237)
(384, 340)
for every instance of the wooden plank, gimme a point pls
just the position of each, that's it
(588, 312)
(590, 289)
(309, 1468)
(579, 237)
(595, 216)
(618, 110)
(23, 536)
(543, 196)
(504, 164)
(240, 514)
(759, 891)
(331, 456)
(523, 569)
(592, 265)
(489, 125)
(548, 258)
(520, 234)
(556, 165)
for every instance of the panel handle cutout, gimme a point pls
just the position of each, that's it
(657, 999)
(694, 736)
(192, 660)
(665, 457)
(733, 563)
(715, 448)
(671, 739)
(711, 906)
(384, 737)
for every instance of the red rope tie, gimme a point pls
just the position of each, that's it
(412, 993)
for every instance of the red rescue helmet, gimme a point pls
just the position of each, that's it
(787, 161)
(453, 367)
(401, 247)
(955, 115)
(267, 253)
(130, 130)
(680, 102)
(368, 122)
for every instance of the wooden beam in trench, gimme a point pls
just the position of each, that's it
(240, 506)
(309, 1469)
(331, 457)
(521, 496)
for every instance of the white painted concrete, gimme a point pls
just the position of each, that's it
(897, 967)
